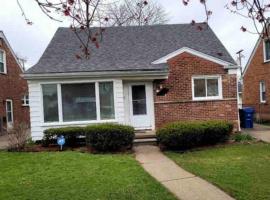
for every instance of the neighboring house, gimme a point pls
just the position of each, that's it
(14, 103)
(143, 76)
(256, 79)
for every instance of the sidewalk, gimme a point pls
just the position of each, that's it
(261, 132)
(181, 183)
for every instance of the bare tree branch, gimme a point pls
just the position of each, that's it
(138, 12)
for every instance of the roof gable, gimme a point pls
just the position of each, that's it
(165, 58)
(252, 55)
(131, 48)
(2, 35)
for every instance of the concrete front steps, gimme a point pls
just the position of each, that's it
(145, 137)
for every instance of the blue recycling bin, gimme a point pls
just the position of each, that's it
(246, 117)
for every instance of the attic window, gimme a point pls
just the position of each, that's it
(266, 50)
(3, 69)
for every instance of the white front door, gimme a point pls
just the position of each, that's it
(9, 113)
(141, 105)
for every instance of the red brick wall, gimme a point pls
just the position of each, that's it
(177, 104)
(256, 72)
(13, 87)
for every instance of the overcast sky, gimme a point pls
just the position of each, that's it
(30, 41)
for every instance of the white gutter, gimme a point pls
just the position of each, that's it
(111, 74)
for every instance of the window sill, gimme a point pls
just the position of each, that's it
(263, 102)
(3, 73)
(207, 99)
(77, 123)
(25, 105)
(266, 61)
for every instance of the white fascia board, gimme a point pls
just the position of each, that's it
(2, 35)
(114, 74)
(164, 59)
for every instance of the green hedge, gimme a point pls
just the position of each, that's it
(71, 135)
(109, 137)
(186, 135)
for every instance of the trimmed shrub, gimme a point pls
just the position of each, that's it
(71, 135)
(186, 135)
(109, 137)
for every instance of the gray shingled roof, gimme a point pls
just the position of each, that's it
(127, 48)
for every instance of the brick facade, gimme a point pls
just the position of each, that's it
(177, 104)
(13, 87)
(257, 71)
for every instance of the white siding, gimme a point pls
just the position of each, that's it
(35, 109)
(36, 114)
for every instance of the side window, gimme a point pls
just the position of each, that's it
(262, 92)
(50, 103)
(3, 69)
(267, 50)
(207, 87)
(25, 100)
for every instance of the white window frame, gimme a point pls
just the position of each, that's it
(25, 99)
(261, 92)
(11, 103)
(60, 112)
(4, 61)
(264, 52)
(219, 97)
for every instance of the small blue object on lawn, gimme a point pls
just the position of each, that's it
(61, 141)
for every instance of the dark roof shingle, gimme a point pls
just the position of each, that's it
(127, 48)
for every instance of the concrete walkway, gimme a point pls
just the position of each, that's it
(181, 183)
(3, 142)
(261, 132)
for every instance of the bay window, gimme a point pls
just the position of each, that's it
(78, 102)
(206, 87)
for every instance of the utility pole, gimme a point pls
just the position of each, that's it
(240, 56)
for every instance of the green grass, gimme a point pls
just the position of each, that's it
(242, 170)
(73, 175)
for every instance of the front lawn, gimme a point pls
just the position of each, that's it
(73, 175)
(242, 170)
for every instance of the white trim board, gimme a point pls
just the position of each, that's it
(164, 59)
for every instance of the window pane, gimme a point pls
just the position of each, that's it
(267, 50)
(1, 67)
(139, 100)
(50, 103)
(262, 89)
(1, 57)
(199, 88)
(79, 102)
(212, 87)
(106, 100)
(9, 111)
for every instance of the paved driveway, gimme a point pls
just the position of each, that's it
(260, 132)
(3, 142)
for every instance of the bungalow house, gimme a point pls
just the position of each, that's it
(142, 76)
(256, 79)
(13, 88)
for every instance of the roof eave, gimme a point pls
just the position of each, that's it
(155, 74)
